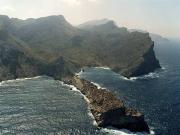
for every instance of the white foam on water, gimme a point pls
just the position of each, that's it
(79, 73)
(113, 131)
(117, 132)
(151, 75)
(163, 68)
(128, 79)
(152, 132)
(18, 79)
(97, 85)
(73, 88)
(107, 68)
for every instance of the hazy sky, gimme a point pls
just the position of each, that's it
(157, 16)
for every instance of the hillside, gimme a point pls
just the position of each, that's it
(15, 60)
(155, 37)
(92, 23)
(52, 46)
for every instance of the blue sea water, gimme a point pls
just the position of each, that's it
(156, 95)
(43, 106)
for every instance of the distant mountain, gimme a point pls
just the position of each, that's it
(91, 24)
(52, 46)
(155, 37)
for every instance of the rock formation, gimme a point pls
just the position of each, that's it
(107, 109)
(51, 46)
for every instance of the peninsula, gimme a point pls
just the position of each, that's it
(51, 46)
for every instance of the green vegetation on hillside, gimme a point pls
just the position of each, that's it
(51, 46)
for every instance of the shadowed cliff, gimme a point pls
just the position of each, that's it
(52, 46)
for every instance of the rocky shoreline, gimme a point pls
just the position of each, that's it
(28, 48)
(107, 109)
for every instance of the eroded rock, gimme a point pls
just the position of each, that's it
(109, 110)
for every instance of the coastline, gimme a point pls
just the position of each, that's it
(107, 110)
(18, 79)
(73, 88)
(94, 122)
(86, 98)
(116, 131)
(152, 75)
(110, 130)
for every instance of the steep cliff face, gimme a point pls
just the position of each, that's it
(128, 53)
(52, 46)
(146, 65)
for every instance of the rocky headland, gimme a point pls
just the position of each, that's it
(53, 47)
(107, 109)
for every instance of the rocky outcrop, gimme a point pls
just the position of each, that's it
(146, 64)
(53, 47)
(58, 49)
(107, 109)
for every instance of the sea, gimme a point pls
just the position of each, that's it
(43, 106)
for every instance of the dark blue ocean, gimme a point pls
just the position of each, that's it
(157, 95)
(43, 106)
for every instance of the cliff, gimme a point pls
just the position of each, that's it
(52, 46)
(107, 109)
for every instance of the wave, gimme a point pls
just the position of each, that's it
(163, 68)
(113, 131)
(79, 73)
(18, 79)
(73, 88)
(151, 75)
(127, 79)
(107, 68)
(97, 85)
(105, 130)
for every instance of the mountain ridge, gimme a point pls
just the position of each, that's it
(155, 37)
(55, 44)
(92, 23)
(53, 47)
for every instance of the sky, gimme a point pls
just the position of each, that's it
(156, 16)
